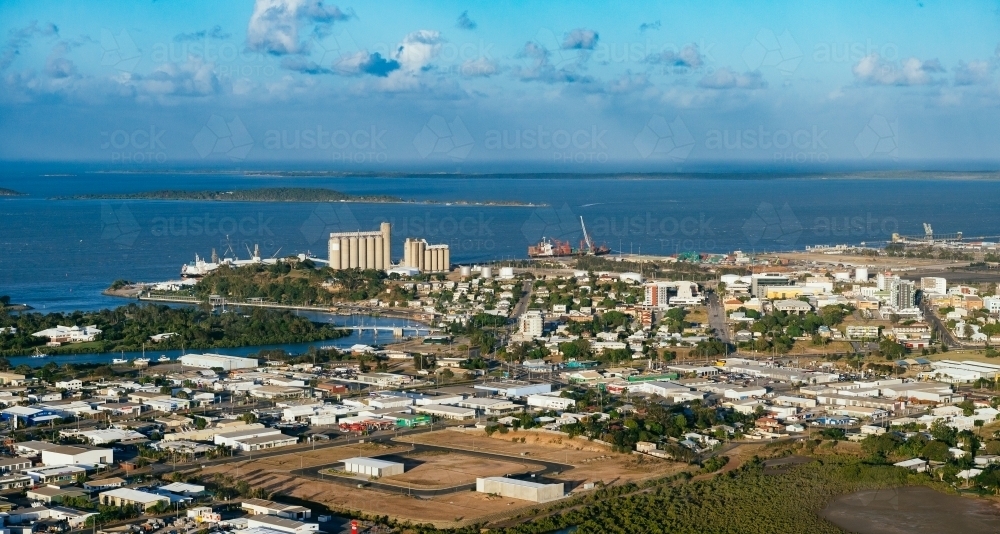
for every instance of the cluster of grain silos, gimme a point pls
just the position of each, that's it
(428, 258)
(361, 250)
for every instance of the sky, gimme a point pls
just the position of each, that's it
(502, 86)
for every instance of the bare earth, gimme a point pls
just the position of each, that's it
(444, 470)
(592, 462)
(912, 510)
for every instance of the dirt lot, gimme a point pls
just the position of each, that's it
(297, 460)
(912, 510)
(881, 262)
(593, 462)
(438, 469)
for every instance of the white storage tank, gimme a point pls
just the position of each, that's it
(861, 274)
(507, 272)
(487, 272)
(466, 271)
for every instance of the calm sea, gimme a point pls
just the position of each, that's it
(59, 254)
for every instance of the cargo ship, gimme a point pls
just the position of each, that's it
(553, 248)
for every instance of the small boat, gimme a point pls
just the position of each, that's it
(163, 358)
(118, 361)
(141, 360)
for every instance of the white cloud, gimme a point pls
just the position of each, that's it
(726, 79)
(481, 67)
(418, 49)
(580, 39)
(194, 77)
(973, 73)
(628, 83)
(873, 70)
(689, 57)
(275, 25)
(21, 37)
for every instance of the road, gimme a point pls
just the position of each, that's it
(717, 318)
(523, 302)
(942, 329)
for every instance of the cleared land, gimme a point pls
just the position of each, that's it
(436, 469)
(592, 462)
(912, 510)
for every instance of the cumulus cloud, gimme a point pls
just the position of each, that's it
(365, 63)
(727, 79)
(303, 65)
(655, 25)
(194, 77)
(465, 23)
(688, 57)
(541, 69)
(973, 73)
(19, 38)
(629, 82)
(481, 67)
(580, 39)
(275, 25)
(215, 33)
(873, 70)
(57, 65)
(417, 50)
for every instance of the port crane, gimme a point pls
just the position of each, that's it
(586, 237)
(927, 238)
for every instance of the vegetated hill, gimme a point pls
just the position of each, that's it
(266, 194)
(4, 192)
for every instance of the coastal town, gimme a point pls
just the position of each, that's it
(515, 386)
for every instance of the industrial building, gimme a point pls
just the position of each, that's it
(519, 489)
(264, 507)
(209, 361)
(69, 455)
(361, 250)
(373, 467)
(128, 496)
(254, 439)
(270, 523)
(428, 258)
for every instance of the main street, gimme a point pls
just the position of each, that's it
(717, 318)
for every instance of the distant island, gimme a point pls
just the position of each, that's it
(279, 194)
(4, 192)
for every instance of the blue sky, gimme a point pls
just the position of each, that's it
(502, 86)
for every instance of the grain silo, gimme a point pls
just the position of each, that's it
(361, 250)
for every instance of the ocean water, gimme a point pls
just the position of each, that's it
(59, 254)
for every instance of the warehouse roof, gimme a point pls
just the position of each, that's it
(132, 495)
(517, 482)
(370, 462)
